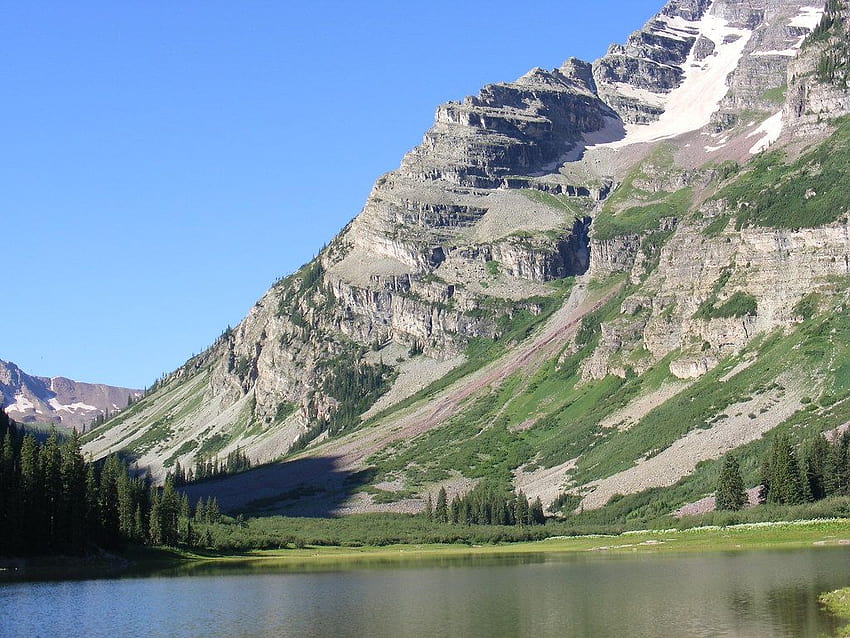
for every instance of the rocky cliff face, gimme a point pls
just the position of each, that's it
(632, 76)
(603, 171)
(29, 399)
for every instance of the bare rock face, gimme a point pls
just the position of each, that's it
(778, 30)
(631, 76)
(29, 399)
(817, 81)
(509, 129)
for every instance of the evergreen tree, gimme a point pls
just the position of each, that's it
(30, 496)
(730, 494)
(169, 511)
(92, 512)
(108, 503)
(454, 510)
(521, 509)
(536, 513)
(213, 512)
(815, 464)
(839, 465)
(138, 533)
(10, 491)
(441, 513)
(786, 481)
(50, 462)
(73, 477)
(155, 523)
(126, 504)
(185, 508)
(201, 511)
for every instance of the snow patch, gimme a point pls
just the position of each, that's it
(674, 27)
(690, 106)
(644, 95)
(21, 404)
(808, 18)
(720, 144)
(770, 130)
(71, 407)
(612, 130)
(792, 52)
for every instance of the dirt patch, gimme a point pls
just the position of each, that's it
(360, 265)
(545, 482)
(630, 415)
(835, 433)
(707, 504)
(414, 374)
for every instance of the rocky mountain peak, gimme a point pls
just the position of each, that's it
(691, 10)
(72, 404)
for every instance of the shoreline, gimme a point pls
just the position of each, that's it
(149, 561)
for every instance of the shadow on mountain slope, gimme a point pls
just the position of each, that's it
(313, 487)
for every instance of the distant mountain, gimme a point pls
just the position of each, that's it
(29, 399)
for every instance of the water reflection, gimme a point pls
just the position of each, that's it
(756, 594)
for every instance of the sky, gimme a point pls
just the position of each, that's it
(163, 163)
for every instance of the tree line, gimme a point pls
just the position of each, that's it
(486, 504)
(52, 501)
(821, 470)
(209, 467)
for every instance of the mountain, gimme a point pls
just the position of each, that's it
(29, 399)
(589, 284)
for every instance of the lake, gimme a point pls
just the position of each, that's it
(747, 594)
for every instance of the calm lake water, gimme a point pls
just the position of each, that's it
(752, 594)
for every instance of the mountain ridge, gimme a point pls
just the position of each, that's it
(58, 400)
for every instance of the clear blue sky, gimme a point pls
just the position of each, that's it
(164, 162)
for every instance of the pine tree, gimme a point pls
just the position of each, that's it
(454, 510)
(126, 504)
(138, 532)
(73, 477)
(108, 503)
(429, 508)
(839, 465)
(730, 494)
(10, 491)
(521, 509)
(31, 491)
(92, 512)
(155, 524)
(441, 513)
(815, 462)
(169, 507)
(213, 512)
(201, 511)
(536, 513)
(786, 481)
(185, 508)
(50, 462)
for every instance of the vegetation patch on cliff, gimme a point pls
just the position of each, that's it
(809, 192)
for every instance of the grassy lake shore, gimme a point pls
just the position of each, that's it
(746, 537)
(149, 560)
